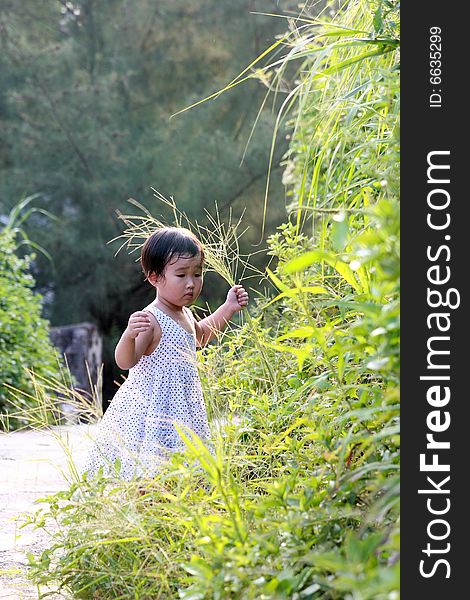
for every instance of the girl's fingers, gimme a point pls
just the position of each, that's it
(242, 298)
(139, 323)
(139, 316)
(240, 294)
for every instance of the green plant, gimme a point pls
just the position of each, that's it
(24, 334)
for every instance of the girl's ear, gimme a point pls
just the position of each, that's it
(152, 279)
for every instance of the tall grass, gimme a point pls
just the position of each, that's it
(299, 498)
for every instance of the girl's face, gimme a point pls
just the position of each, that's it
(182, 280)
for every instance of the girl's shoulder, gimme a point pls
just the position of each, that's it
(157, 330)
(154, 318)
(189, 313)
(153, 311)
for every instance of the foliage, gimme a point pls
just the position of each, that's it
(24, 334)
(299, 498)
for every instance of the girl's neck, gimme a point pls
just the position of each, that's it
(167, 306)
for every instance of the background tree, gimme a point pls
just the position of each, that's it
(87, 93)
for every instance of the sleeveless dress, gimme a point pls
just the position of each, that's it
(137, 433)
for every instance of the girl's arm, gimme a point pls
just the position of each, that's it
(208, 328)
(136, 338)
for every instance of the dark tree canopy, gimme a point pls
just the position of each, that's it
(87, 90)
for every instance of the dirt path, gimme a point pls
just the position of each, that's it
(32, 464)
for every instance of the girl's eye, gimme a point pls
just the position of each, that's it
(180, 276)
(197, 274)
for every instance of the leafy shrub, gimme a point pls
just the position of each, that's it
(24, 334)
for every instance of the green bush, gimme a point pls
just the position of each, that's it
(24, 335)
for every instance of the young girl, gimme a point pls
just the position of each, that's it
(158, 347)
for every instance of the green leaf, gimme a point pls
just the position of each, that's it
(275, 279)
(199, 568)
(340, 66)
(301, 332)
(347, 273)
(339, 232)
(300, 263)
(291, 293)
(378, 21)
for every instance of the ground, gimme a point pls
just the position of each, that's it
(32, 465)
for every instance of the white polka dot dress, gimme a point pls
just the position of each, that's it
(162, 389)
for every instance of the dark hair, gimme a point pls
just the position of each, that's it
(164, 244)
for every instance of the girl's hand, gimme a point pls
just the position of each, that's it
(138, 323)
(237, 298)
